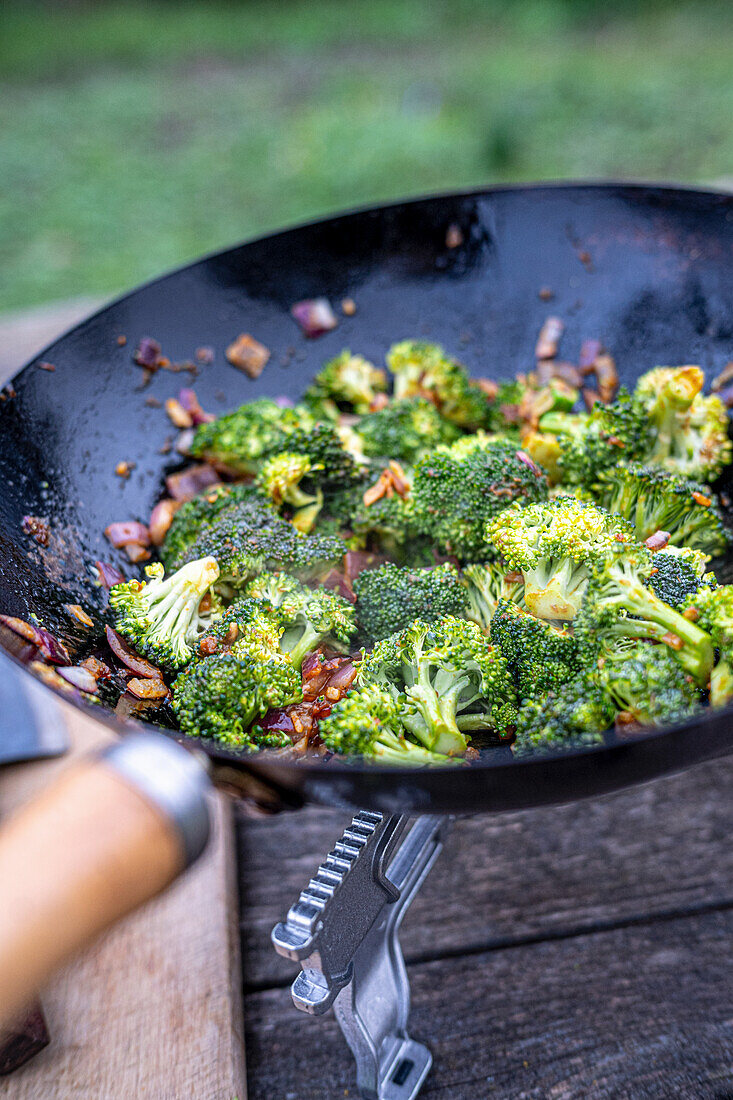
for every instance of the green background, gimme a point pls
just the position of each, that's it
(134, 137)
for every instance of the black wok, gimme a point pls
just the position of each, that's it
(646, 269)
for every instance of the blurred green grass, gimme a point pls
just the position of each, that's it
(135, 136)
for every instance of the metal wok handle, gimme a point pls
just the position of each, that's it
(112, 832)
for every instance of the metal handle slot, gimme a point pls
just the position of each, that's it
(344, 932)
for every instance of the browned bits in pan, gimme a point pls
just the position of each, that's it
(248, 355)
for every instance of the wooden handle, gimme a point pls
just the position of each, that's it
(89, 850)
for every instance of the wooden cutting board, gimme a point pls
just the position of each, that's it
(153, 1011)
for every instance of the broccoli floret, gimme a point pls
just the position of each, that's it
(541, 657)
(453, 496)
(689, 431)
(544, 449)
(252, 539)
(486, 584)
(648, 686)
(405, 430)
(712, 610)
(308, 617)
(390, 597)
(503, 412)
(198, 514)
(655, 500)
(161, 617)
(247, 626)
(676, 574)
(446, 679)
(575, 717)
(222, 696)
(384, 525)
(366, 723)
(592, 443)
(424, 370)
(556, 545)
(242, 439)
(284, 478)
(618, 604)
(348, 382)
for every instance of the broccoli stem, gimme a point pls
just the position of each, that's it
(438, 730)
(721, 684)
(299, 641)
(697, 654)
(390, 749)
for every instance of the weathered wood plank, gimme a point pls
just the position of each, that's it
(642, 1011)
(652, 849)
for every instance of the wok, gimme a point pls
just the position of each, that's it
(644, 268)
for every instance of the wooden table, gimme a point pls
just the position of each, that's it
(584, 951)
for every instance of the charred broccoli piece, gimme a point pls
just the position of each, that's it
(446, 679)
(556, 545)
(656, 500)
(347, 383)
(161, 617)
(390, 597)
(677, 574)
(712, 611)
(222, 696)
(689, 432)
(242, 439)
(575, 717)
(308, 617)
(619, 605)
(366, 723)
(197, 515)
(648, 686)
(454, 496)
(541, 657)
(404, 429)
(424, 370)
(486, 584)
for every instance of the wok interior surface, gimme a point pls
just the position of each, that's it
(645, 269)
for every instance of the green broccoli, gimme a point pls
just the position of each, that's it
(252, 539)
(348, 382)
(453, 496)
(486, 584)
(424, 370)
(689, 431)
(712, 610)
(619, 605)
(575, 717)
(404, 430)
(247, 626)
(221, 696)
(677, 574)
(648, 686)
(366, 722)
(447, 681)
(161, 617)
(555, 545)
(309, 617)
(282, 478)
(390, 597)
(384, 525)
(541, 657)
(593, 442)
(197, 515)
(655, 500)
(242, 439)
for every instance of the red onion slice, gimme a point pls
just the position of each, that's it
(161, 518)
(109, 575)
(315, 316)
(130, 658)
(123, 533)
(80, 678)
(188, 483)
(189, 401)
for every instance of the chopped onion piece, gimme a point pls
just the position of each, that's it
(147, 689)
(109, 575)
(80, 678)
(161, 518)
(188, 483)
(125, 532)
(130, 658)
(315, 316)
